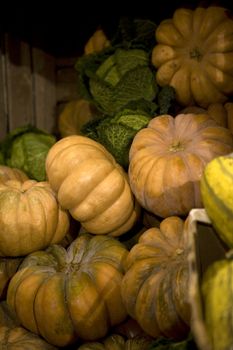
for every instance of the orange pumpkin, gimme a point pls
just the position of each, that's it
(154, 287)
(68, 294)
(167, 160)
(30, 217)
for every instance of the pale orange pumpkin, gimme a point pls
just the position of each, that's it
(30, 217)
(194, 54)
(91, 185)
(154, 287)
(167, 160)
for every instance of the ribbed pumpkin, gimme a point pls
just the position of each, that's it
(97, 42)
(167, 160)
(91, 185)
(217, 293)
(194, 54)
(221, 113)
(68, 294)
(216, 191)
(30, 217)
(154, 287)
(19, 338)
(74, 115)
(117, 342)
(8, 173)
(8, 267)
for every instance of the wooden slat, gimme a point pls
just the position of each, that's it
(19, 84)
(44, 76)
(3, 97)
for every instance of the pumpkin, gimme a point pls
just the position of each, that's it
(91, 186)
(75, 114)
(8, 267)
(216, 191)
(117, 342)
(30, 217)
(7, 317)
(97, 42)
(8, 173)
(166, 161)
(217, 293)
(68, 294)
(19, 338)
(194, 54)
(221, 113)
(154, 287)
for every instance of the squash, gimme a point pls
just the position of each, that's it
(216, 192)
(8, 173)
(154, 287)
(74, 293)
(91, 186)
(194, 54)
(8, 267)
(19, 338)
(167, 159)
(221, 113)
(30, 217)
(117, 342)
(217, 294)
(97, 42)
(75, 114)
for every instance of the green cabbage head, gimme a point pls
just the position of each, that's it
(26, 148)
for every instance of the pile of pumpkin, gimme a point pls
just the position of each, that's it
(94, 250)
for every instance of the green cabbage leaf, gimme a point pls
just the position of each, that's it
(26, 148)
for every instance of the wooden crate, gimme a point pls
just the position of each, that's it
(34, 85)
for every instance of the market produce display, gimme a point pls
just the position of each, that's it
(94, 249)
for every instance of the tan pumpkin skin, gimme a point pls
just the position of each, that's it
(8, 267)
(118, 342)
(167, 160)
(221, 113)
(18, 338)
(74, 293)
(30, 217)
(154, 287)
(194, 54)
(74, 115)
(91, 185)
(96, 43)
(8, 173)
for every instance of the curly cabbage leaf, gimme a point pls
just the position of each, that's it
(26, 148)
(117, 133)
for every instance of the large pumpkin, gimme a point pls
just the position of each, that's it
(30, 217)
(91, 185)
(194, 54)
(65, 295)
(154, 287)
(167, 160)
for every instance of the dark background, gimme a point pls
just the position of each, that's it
(62, 28)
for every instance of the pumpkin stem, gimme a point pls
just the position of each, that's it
(176, 147)
(196, 54)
